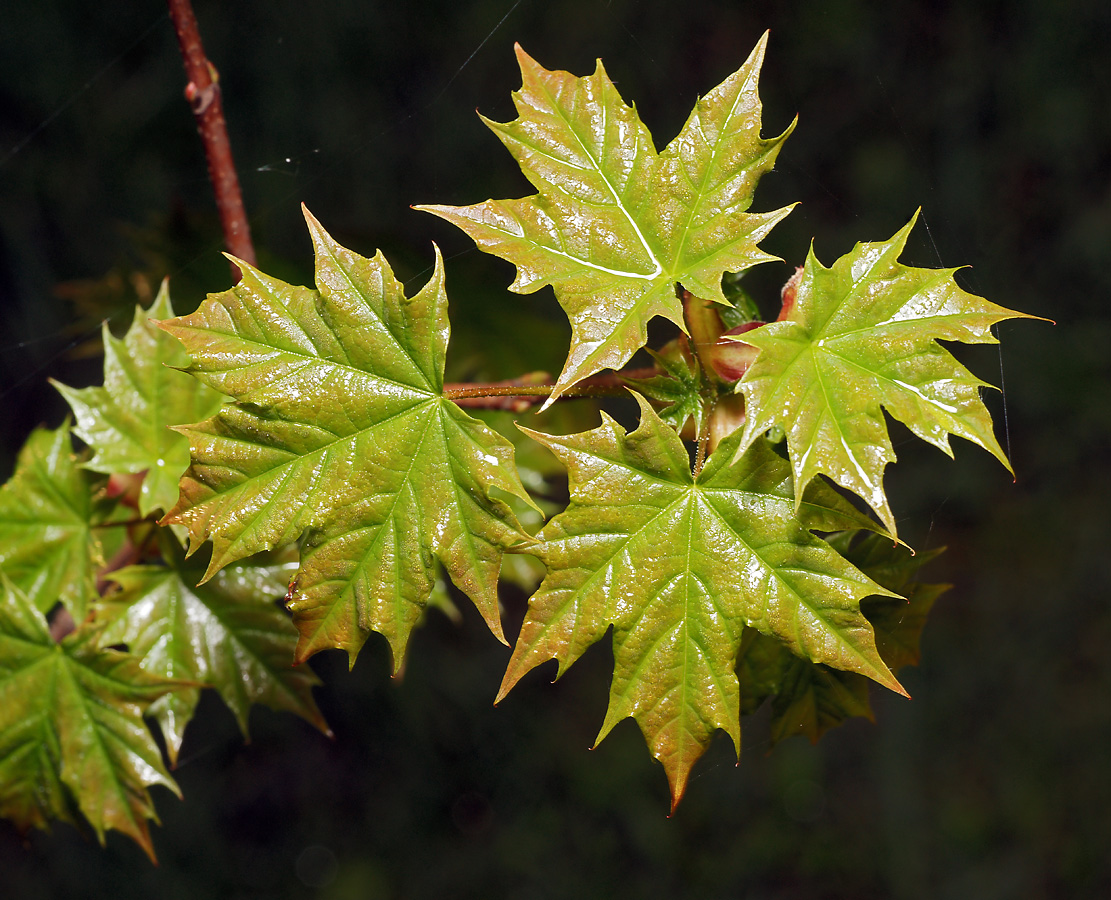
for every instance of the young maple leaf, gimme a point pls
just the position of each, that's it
(72, 734)
(615, 225)
(862, 337)
(227, 634)
(48, 546)
(680, 565)
(127, 422)
(339, 432)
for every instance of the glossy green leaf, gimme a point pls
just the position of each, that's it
(71, 727)
(615, 225)
(340, 435)
(862, 337)
(47, 544)
(679, 566)
(228, 634)
(127, 422)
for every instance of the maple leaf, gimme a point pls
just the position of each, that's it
(127, 421)
(71, 727)
(680, 565)
(809, 698)
(615, 225)
(340, 434)
(47, 543)
(227, 634)
(862, 337)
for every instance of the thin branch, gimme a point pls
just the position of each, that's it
(519, 394)
(126, 523)
(203, 94)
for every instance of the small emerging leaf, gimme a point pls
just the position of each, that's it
(127, 421)
(679, 566)
(71, 727)
(227, 634)
(47, 545)
(615, 225)
(861, 337)
(677, 387)
(340, 433)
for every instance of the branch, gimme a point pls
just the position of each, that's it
(518, 394)
(203, 94)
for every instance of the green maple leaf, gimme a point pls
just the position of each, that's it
(860, 338)
(47, 543)
(680, 565)
(127, 421)
(615, 225)
(227, 634)
(71, 727)
(809, 698)
(340, 433)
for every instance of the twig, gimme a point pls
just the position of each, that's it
(203, 94)
(519, 394)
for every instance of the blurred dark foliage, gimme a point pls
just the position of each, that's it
(992, 783)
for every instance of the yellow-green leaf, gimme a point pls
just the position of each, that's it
(228, 634)
(71, 727)
(615, 225)
(339, 434)
(680, 566)
(862, 337)
(47, 544)
(127, 422)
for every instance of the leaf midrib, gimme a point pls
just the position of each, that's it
(617, 200)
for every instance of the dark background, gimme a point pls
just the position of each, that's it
(993, 116)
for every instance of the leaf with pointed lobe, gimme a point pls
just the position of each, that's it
(680, 566)
(339, 434)
(128, 421)
(48, 546)
(228, 634)
(615, 224)
(72, 734)
(862, 337)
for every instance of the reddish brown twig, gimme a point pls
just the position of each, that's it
(518, 394)
(203, 94)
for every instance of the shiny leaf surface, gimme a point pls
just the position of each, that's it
(679, 566)
(47, 544)
(228, 634)
(71, 727)
(339, 433)
(615, 225)
(127, 422)
(862, 337)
